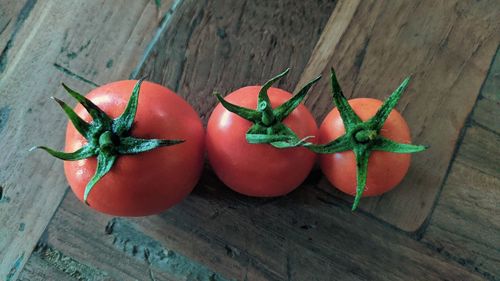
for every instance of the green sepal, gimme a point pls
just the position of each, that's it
(82, 153)
(80, 125)
(282, 111)
(131, 145)
(362, 155)
(106, 138)
(349, 117)
(248, 114)
(340, 144)
(124, 122)
(363, 137)
(263, 96)
(104, 165)
(98, 116)
(267, 125)
(384, 144)
(378, 120)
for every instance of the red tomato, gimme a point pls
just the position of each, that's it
(149, 182)
(258, 169)
(385, 169)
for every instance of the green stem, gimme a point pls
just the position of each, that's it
(267, 125)
(365, 136)
(267, 113)
(106, 142)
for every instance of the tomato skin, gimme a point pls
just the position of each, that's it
(149, 182)
(385, 169)
(258, 169)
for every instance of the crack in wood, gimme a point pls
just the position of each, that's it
(74, 75)
(140, 246)
(4, 116)
(68, 265)
(467, 124)
(15, 267)
(167, 18)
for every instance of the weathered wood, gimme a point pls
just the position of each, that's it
(111, 248)
(309, 234)
(37, 269)
(447, 46)
(480, 150)
(13, 13)
(465, 225)
(224, 45)
(306, 235)
(45, 32)
(486, 113)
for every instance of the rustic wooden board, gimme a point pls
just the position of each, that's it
(465, 224)
(51, 42)
(37, 269)
(447, 46)
(306, 235)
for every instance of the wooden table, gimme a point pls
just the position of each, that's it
(441, 223)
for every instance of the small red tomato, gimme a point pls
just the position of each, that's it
(149, 156)
(385, 169)
(364, 144)
(258, 169)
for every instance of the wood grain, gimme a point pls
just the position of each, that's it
(209, 49)
(45, 32)
(309, 234)
(465, 225)
(447, 46)
(37, 269)
(306, 235)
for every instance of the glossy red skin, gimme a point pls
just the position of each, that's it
(385, 169)
(150, 182)
(258, 169)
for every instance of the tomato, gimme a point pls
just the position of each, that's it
(385, 169)
(258, 169)
(149, 182)
(365, 144)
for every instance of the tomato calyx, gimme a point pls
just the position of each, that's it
(107, 138)
(267, 125)
(364, 137)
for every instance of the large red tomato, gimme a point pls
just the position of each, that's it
(152, 181)
(258, 169)
(385, 169)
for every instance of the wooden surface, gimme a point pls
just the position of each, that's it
(441, 223)
(52, 42)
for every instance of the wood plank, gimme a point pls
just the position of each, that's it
(480, 150)
(32, 184)
(37, 269)
(486, 110)
(447, 46)
(465, 225)
(87, 238)
(12, 16)
(306, 235)
(191, 28)
(223, 51)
